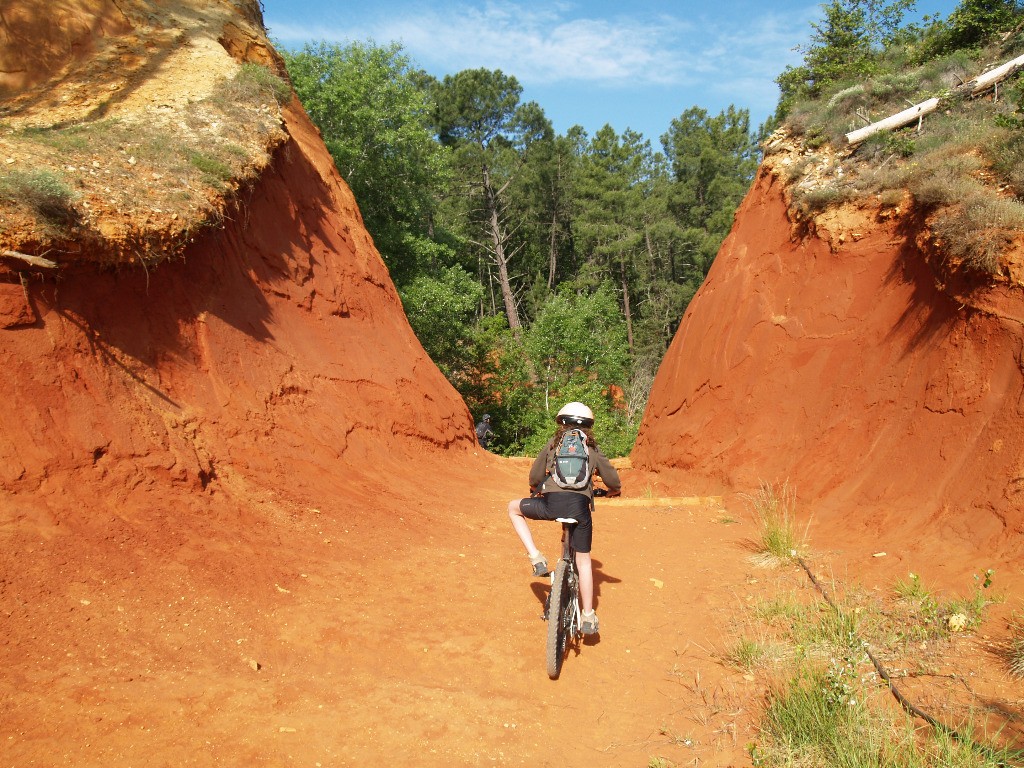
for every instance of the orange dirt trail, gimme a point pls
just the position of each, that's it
(406, 632)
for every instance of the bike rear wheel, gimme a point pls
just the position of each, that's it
(558, 602)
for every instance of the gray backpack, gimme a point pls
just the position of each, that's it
(570, 465)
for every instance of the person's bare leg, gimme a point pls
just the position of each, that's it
(521, 528)
(586, 571)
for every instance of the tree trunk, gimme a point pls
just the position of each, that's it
(37, 261)
(552, 250)
(898, 120)
(625, 305)
(500, 257)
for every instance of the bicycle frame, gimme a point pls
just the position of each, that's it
(575, 628)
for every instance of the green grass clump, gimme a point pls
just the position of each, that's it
(979, 230)
(826, 719)
(211, 167)
(827, 707)
(786, 611)
(746, 654)
(774, 509)
(252, 84)
(75, 138)
(41, 191)
(812, 720)
(925, 617)
(822, 198)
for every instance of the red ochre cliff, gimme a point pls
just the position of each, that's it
(831, 356)
(273, 353)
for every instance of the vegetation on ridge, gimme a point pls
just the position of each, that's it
(964, 165)
(170, 178)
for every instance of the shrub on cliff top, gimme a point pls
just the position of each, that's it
(251, 84)
(41, 191)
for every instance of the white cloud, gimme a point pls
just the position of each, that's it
(586, 66)
(554, 44)
(541, 46)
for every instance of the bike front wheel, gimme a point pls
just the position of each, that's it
(558, 603)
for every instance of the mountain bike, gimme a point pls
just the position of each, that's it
(562, 611)
(565, 620)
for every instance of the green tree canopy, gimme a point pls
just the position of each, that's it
(442, 311)
(843, 45)
(713, 160)
(577, 344)
(973, 22)
(479, 115)
(375, 117)
(579, 334)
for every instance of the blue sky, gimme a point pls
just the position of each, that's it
(628, 64)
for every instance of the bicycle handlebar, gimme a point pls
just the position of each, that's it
(598, 492)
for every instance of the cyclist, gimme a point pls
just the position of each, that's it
(484, 433)
(548, 502)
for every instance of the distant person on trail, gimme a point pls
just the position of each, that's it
(484, 433)
(550, 499)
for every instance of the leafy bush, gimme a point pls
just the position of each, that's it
(442, 312)
(973, 22)
(1013, 118)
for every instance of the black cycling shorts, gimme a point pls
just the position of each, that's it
(563, 504)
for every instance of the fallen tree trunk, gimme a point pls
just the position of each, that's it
(37, 261)
(971, 88)
(898, 120)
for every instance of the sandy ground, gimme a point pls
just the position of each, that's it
(405, 633)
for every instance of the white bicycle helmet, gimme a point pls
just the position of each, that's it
(576, 415)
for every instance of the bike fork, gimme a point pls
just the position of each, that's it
(577, 614)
